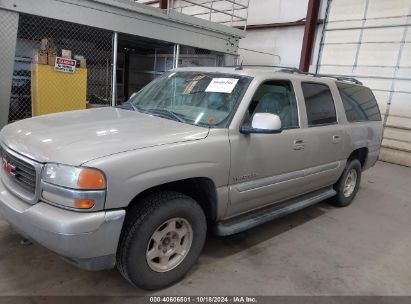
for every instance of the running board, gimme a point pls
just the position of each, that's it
(264, 215)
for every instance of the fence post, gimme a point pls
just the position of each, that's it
(8, 37)
(114, 76)
(177, 55)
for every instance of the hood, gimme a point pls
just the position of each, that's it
(78, 136)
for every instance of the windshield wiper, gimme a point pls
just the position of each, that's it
(127, 106)
(165, 112)
(160, 111)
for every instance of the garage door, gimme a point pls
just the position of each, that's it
(371, 40)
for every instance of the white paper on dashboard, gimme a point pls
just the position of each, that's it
(222, 85)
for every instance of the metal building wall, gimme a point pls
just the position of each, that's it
(371, 40)
(275, 31)
(273, 46)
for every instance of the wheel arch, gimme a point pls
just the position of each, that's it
(361, 154)
(201, 189)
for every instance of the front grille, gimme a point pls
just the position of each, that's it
(20, 171)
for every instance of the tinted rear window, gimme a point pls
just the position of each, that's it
(359, 103)
(319, 104)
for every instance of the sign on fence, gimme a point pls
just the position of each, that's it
(65, 65)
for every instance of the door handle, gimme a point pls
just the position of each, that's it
(336, 139)
(298, 144)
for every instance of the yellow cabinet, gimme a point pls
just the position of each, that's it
(54, 91)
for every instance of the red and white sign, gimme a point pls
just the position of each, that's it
(65, 65)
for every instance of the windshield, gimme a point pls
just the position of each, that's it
(204, 99)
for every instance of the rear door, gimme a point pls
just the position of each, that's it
(324, 141)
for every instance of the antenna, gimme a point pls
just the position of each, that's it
(240, 67)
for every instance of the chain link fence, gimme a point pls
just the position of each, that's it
(137, 68)
(164, 58)
(190, 56)
(37, 88)
(8, 35)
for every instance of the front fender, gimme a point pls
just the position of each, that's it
(130, 173)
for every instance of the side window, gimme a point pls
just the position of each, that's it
(359, 102)
(319, 104)
(276, 97)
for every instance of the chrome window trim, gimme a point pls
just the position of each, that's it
(13, 186)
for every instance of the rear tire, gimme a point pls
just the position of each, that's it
(162, 238)
(348, 184)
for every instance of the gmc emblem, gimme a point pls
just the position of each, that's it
(9, 168)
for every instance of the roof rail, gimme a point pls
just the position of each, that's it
(240, 67)
(337, 77)
(294, 70)
(346, 78)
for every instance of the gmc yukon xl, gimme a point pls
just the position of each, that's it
(197, 149)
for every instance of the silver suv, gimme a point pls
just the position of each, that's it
(197, 149)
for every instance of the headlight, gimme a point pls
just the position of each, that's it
(73, 187)
(74, 177)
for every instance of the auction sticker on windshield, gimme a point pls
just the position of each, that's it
(222, 85)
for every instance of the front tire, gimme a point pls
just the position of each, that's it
(162, 238)
(348, 184)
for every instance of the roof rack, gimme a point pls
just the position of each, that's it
(338, 77)
(286, 69)
(240, 67)
(352, 79)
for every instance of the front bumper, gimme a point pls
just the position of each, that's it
(88, 240)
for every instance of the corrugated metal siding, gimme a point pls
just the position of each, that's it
(371, 40)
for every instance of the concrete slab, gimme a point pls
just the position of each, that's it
(364, 249)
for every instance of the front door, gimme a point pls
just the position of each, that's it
(268, 168)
